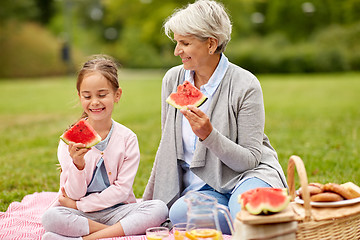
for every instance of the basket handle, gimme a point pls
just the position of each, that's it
(296, 161)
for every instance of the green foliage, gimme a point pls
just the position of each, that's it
(268, 36)
(29, 50)
(314, 116)
(299, 19)
(333, 49)
(141, 42)
(33, 10)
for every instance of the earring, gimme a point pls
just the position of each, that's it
(210, 52)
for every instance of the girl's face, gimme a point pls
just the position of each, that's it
(97, 96)
(193, 52)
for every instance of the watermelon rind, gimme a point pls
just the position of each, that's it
(88, 145)
(261, 200)
(96, 140)
(200, 102)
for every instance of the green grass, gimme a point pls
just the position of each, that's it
(314, 116)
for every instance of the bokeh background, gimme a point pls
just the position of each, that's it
(52, 37)
(306, 53)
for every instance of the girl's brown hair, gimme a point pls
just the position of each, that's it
(103, 64)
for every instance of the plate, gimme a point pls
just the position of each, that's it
(330, 204)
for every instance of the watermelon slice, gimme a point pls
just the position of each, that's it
(187, 94)
(81, 132)
(264, 200)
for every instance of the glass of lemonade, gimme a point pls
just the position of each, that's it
(157, 233)
(179, 230)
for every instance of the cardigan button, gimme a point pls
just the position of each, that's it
(102, 153)
(109, 173)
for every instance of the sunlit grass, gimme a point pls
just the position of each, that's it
(314, 116)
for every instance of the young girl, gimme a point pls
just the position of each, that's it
(96, 198)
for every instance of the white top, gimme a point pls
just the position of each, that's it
(191, 181)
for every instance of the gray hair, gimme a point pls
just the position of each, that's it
(203, 19)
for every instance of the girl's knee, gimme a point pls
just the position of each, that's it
(161, 209)
(64, 221)
(49, 219)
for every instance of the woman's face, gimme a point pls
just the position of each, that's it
(193, 52)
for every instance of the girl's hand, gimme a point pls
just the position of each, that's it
(199, 121)
(65, 201)
(77, 152)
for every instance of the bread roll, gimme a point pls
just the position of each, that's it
(336, 188)
(312, 190)
(352, 188)
(319, 185)
(326, 197)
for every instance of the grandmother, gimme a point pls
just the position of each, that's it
(219, 148)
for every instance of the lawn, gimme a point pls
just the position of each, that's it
(314, 116)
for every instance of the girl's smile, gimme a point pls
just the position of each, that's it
(97, 110)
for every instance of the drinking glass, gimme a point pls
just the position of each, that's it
(179, 230)
(157, 233)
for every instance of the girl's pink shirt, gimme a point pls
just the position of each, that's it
(121, 159)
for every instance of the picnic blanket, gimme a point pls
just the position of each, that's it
(22, 220)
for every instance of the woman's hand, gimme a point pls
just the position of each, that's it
(77, 152)
(199, 121)
(65, 201)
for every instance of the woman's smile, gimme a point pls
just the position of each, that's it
(186, 59)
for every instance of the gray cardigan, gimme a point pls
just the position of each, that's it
(236, 149)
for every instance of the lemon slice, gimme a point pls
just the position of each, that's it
(154, 237)
(190, 236)
(204, 233)
(178, 235)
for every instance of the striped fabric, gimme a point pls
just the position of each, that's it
(22, 220)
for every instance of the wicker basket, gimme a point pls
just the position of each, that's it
(344, 227)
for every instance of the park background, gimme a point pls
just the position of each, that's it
(306, 55)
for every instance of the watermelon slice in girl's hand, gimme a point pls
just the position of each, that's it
(81, 132)
(187, 94)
